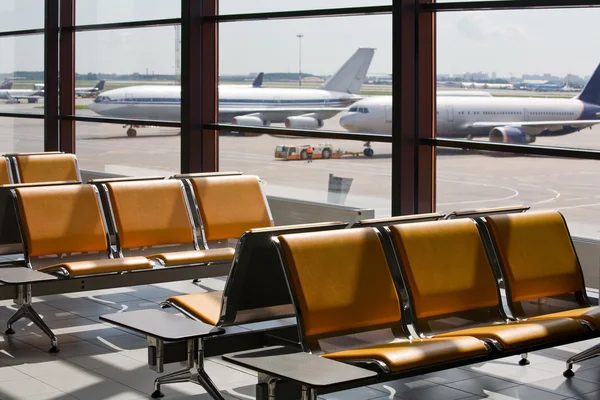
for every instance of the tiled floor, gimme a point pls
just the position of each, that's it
(98, 361)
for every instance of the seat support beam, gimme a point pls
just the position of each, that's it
(194, 372)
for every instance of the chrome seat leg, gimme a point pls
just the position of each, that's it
(592, 352)
(196, 375)
(27, 311)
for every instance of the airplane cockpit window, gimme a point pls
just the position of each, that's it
(100, 99)
(366, 110)
(353, 109)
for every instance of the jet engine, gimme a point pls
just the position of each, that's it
(306, 121)
(250, 120)
(510, 134)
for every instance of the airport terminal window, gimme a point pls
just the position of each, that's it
(21, 135)
(364, 167)
(257, 6)
(477, 179)
(21, 14)
(22, 74)
(131, 71)
(110, 11)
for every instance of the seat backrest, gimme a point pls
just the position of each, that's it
(63, 219)
(5, 173)
(230, 205)
(256, 288)
(340, 282)
(151, 213)
(11, 241)
(446, 267)
(404, 219)
(106, 201)
(52, 167)
(536, 254)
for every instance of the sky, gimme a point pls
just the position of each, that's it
(505, 42)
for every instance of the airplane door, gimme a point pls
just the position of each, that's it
(388, 113)
(450, 112)
(525, 114)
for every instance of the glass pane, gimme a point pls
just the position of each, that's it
(241, 6)
(531, 96)
(110, 11)
(473, 179)
(22, 76)
(105, 148)
(345, 181)
(20, 135)
(21, 14)
(338, 72)
(347, 178)
(138, 84)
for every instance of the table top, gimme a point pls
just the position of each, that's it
(303, 368)
(162, 325)
(23, 275)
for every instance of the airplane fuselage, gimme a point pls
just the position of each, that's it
(455, 116)
(163, 102)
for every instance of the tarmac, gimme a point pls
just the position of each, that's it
(465, 179)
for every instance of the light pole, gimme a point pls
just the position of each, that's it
(300, 36)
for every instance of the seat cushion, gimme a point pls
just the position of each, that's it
(521, 334)
(404, 355)
(204, 306)
(94, 267)
(589, 314)
(195, 256)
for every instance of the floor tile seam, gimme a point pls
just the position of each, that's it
(529, 384)
(479, 394)
(104, 378)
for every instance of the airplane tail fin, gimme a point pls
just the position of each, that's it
(591, 91)
(7, 84)
(258, 81)
(349, 78)
(100, 85)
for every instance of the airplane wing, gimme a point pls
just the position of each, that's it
(537, 127)
(279, 114)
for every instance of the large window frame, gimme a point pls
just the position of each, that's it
(414, 69)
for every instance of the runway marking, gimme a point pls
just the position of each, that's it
(515, 194)
(579, 206)
(550, 200)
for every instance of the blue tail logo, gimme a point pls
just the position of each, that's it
(591, 91)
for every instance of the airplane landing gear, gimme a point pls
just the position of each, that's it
(131, 132)
(368, 152)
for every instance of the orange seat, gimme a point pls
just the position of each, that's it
(538, 260)
(67, 221)
(514, 335)
(92, 267)
(230, 205)
(407, 354)
(449, 275)
(195, 256)
(153, 216)
(51, 167)
(342, 285)
(205, 307)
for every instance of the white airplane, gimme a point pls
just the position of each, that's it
(88, 91)
(16, 95)
(79, 91)
(249, 106)
(502, 119)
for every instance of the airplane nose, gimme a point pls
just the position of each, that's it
(346, 122)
